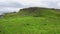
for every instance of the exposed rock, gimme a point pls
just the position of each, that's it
(1, 16)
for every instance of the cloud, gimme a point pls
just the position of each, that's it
(44, 3)
(10, 6)
(15, 5)
(27, 3)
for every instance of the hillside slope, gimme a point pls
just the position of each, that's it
(35, 12)
(32, 20)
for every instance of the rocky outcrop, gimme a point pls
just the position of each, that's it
(1, 16)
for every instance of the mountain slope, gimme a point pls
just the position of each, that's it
(31, 21)
(35, 12)
(38, 12)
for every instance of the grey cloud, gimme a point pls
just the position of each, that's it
(51, 4)
(13, 5)
(10, 7)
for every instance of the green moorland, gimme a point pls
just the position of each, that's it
(31, 20)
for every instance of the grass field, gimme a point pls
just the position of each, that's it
(30, 25)
(31, 21)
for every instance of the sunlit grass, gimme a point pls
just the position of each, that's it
(30, 25)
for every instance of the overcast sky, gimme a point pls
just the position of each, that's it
(15, 5)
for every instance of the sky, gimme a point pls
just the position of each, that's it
(15, 5)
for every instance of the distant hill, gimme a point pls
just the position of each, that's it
(36, 12)
(39, 11)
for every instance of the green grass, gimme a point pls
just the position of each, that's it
(31, 21)
(30, 25)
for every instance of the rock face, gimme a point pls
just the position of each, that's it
(36, 12)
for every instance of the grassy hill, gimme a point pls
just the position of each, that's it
(35, 12)
(33, 20)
